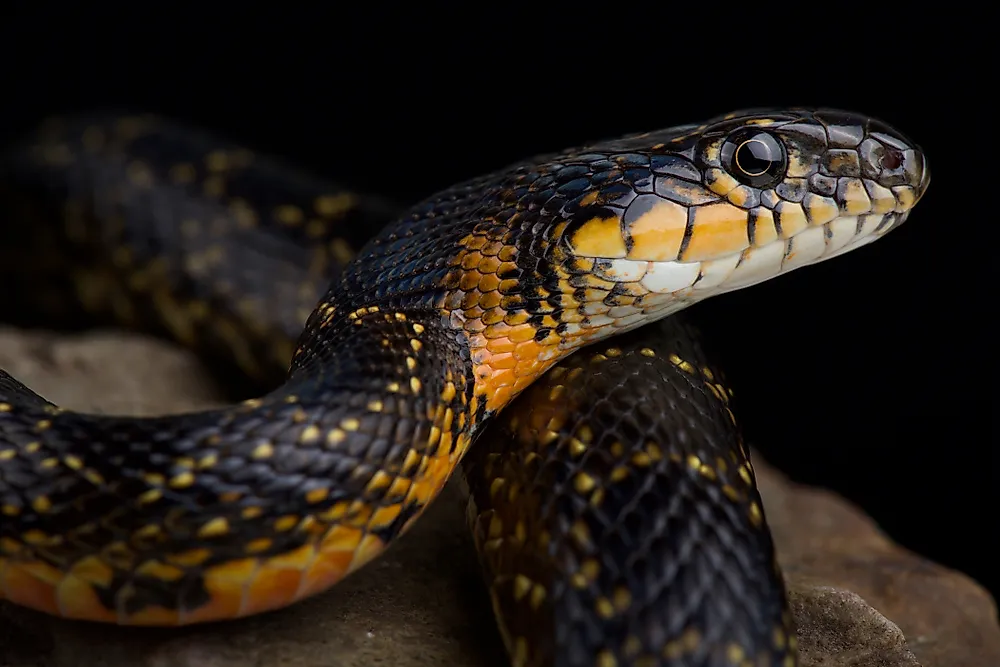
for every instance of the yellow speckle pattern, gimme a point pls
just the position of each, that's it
(197, 509)
(546, 436)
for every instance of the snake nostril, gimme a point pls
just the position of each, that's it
(891, 158)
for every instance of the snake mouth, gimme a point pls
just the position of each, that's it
(620, 294)
(810, 246)
(690, 253)
(685, 282)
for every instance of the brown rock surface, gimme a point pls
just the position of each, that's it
(825, 543)
(423, 603)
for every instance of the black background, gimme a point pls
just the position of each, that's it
(870, 375)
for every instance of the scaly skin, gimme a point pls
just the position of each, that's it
(441, 320)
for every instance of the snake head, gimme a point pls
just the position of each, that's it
(678, 215)
(565, 249)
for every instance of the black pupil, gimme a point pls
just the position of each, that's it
(754, 157)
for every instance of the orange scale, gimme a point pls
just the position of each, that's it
(273, 587)
(78, 599)
(326, 570)
(31, 585)
(226, 585)
(501, 345)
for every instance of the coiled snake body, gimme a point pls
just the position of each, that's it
(613, 503)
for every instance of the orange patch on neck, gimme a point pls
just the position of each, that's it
(506, 364)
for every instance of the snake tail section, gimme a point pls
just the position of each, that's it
(144, 222)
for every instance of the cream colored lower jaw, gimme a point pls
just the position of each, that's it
(697, 280)
(663, 288)
(755, 265)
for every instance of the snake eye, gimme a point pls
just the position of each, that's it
(755, 158)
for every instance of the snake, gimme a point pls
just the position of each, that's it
(522, 327)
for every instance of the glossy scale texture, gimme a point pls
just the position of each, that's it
(615, 509)
(441, 320)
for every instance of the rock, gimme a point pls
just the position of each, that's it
(825, 542)
(837, 627)
(858, 599)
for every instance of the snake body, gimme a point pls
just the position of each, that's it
(613, 503)
(623, 531)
